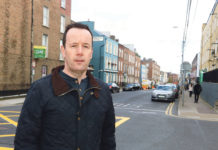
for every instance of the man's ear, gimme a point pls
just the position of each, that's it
(63, 51)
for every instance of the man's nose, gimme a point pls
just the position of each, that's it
(79, 50)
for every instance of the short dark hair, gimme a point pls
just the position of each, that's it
(75, 25)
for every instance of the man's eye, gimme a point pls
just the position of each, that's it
(86, 46)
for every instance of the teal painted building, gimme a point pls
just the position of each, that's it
(105, 55)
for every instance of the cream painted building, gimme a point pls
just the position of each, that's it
(209, 42)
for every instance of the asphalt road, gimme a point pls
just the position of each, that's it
(140, 125)
(150, 128)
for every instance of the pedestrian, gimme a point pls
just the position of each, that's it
(68, 109)
(197, 91)
(190, 89)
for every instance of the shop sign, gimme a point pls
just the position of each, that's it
(39, 51)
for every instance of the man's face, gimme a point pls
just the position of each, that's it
(78, 50)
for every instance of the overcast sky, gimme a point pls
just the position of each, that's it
(155, 27)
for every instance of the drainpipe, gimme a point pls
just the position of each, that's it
(31, 47)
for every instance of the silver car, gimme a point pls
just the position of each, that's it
(164, 93)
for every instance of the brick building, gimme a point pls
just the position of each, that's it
(137, 68)
(49, 25)
(15, 45)
(153, 70)
(121, 63)
(173, 78)
(30, 40)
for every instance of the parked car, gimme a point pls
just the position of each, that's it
(163, 93)
(136, 86)
(128, 87)
(114, 88)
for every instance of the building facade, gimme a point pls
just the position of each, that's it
(194, 70)
(163, 77)
(209, 42)
(143, 72)
(15, 45)
(105, 55)
(50, 19)
(120, 64)
(32, 33)
(153, 70)
(137, 68)
(131, 66)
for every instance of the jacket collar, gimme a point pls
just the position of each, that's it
(60, 86)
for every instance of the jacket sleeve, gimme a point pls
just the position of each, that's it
(29, 124)
(108, 132)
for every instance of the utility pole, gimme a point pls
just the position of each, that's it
(182, 72)
(183, 46)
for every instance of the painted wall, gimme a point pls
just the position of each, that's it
(209, 92)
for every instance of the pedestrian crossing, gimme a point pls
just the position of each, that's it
(137, 108)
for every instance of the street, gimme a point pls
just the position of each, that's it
(149, 128)
(140, 125)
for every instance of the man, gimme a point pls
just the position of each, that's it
(69, 109)
(197, 91)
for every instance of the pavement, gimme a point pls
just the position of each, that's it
(200, 111)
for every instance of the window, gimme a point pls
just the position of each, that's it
(106, 62)
(45, 16)
(45, 43)
(107, 46)
(109, 62)
(61, 56)
(63, 3)
(62, 24)
(107, 77)
(110, 48)
(114, 50)
(44, 70)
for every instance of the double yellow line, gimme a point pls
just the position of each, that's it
(169, 109)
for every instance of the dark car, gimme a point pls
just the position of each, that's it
(136, 86)
(114, 88)
(128, 87)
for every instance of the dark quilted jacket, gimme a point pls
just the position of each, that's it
(55, 117)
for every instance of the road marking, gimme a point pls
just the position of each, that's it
(13, 116)
(4, 123)
(118, 123)
(9, 135)
(5, 148)
(170, 111)
(11, 111)
(168, 108)
(121, 121)
(143, 112)
(8, 119)
(140, 109)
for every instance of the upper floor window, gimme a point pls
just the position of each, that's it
(62, 24)
(45, 16)
(63, 3)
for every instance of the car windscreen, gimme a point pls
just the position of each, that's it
(165, 88)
